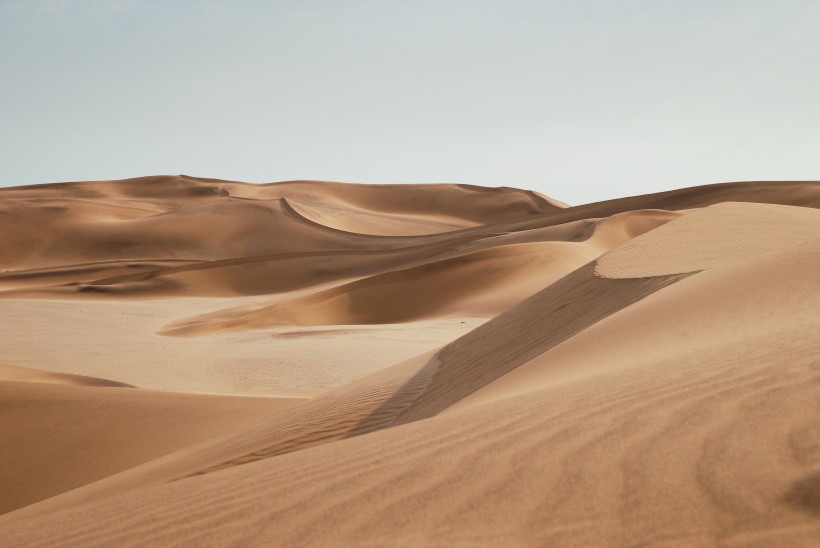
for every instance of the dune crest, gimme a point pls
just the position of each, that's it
(24, 374)
(192, 361)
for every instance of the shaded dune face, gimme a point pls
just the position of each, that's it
(192, 361)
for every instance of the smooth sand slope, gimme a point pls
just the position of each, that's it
(430, 365)
(60, 436)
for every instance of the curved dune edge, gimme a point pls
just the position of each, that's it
(365, 222)
(24, 374)
(590, 375)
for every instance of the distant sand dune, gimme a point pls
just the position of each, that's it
(429, 365)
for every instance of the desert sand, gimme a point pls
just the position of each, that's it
(198, 362)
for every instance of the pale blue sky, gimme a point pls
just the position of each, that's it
(582, 100)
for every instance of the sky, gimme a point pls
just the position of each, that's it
(582, 100)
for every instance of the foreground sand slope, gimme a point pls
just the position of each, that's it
(660, 387)
(60, 436)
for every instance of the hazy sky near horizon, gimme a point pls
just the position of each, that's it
(582, 100)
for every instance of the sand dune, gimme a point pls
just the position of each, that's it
(711, 237)
(503, 271)
(103, 431)
(158, 217)
(431, 365)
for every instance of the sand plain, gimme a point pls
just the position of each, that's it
(197, 362)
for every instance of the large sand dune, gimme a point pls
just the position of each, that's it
(199, 362)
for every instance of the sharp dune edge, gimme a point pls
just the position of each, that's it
(199, 362)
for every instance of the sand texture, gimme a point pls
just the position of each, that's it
(198, 362)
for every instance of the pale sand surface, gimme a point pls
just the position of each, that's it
(209, 363)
